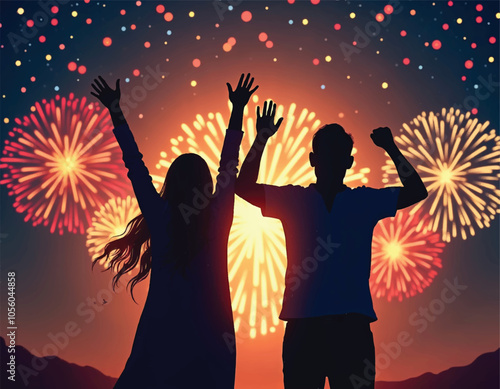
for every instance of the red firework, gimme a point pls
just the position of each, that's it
(404, 261)
(62, 162)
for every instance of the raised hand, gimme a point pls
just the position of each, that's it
(109, 97)
(265, 122)
(382, 137)
(240, 96)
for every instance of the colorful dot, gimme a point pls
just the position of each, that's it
(474, 111)
(168, 16)
(232, 41)
(198, 37)
(246, 16)
(147, 45)
(72, 66)
(413, 12)
(269, 44)
(133, 27)
(305, 22)
(196, 63)
(479, 7)
(491, 59)
(54, 9)
(33, 79)
(193, 83)
(459, 21)
(107, 41)
(82, 69)
(74, 14)
(315, 2)
(42, 39)
(123, 12)
(464, 78)
(262, 37)
(323, 87)
(479, 19)
(388, 9)
(136, 72)
(436, 44)
(379, 17)
(385, 85)
(337, 26)
(316, 61)
(450, 3)
(473, 45)
(48, 57)
(403, 33)
(20, 11)
(291, 1)
(191, 14)
(54, 22)
(406, 61)
(352, 15)
(23, 89)
(226, 47)
(328, 58)
(30, 23)
(61, 46)
(18, 63)
(6, 120)
(160, 9)
(492, 39)
(446, 26)
(469, 64)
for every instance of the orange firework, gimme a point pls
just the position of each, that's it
(257, 251)
(404, 260)
(110, 221)
(61, 162)
(458, 160)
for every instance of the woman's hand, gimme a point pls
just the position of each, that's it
(240, 96)
(109, 97)
(265, 124)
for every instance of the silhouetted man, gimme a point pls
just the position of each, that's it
(328, 229)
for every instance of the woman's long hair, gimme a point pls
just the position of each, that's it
(187, 179)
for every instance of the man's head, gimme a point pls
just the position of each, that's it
(331, 155)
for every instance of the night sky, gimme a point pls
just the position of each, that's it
(361, 64)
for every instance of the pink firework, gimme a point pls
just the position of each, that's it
(404, 261)
(62, 162)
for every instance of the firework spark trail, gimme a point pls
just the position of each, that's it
(257, 251)
(458, 160)
(404, 261)
(62, 162)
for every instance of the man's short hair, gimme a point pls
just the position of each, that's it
(334, 137)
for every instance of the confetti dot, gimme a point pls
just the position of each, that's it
(291, 1)
(147, 45)
(191, 14)
(328, 58)
(305, 22)
(20, 11)
(450, 3)
(169, 32)
(124, 28)
(420, 67)
(160, 9)
(246, 16)
(133, 27)
(403, 33)
(6, 120)
(406, 61)
(459, 21)
(341, 115)
(436, 44)
(379, 17)
(168, 16)
(61, 46)
(232, 41)
(18, 63)
(497, 15)
(107, 41)
(479, 19)
(30, 23)
(226, 47)
(56, 88)
(337, 26)
(23, 89)
(290, 21)
(82, 69)
(473, 45)
(230, 8)
(72, 66)
(323, 87)
(352, 15)
(196, 63)
(469, 64)
(48, 57)
(491, 59)
(54, 9)
(413, 12)
(198, 37)
(446, 26)
(492, 39)
(479, 7)
(138, 3)
(193, 83)
(33, 79)
(136, 72)
(269, 44)
(388, 9)
(54, 22)
(464, 78)
(316, 61)
(141, 116)
(42, 39)
(315, 2)
(474, 111)
(74, 14)
(262, 37)
(385, 85)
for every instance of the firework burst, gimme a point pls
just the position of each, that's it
(257, 251)
(110, 221)
(62, 161)
(458, 160)
(404, 261)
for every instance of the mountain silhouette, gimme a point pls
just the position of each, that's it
(50, 372)
(482, 373)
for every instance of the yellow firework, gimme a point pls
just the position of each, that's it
(257, 251)
(458, 160)
(110, 221)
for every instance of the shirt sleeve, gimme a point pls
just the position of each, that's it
(277, 200)
(148, 198)
(382, 202)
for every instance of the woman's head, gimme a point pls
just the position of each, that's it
(187, 179)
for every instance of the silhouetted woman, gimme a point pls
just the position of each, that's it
(185, 336)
